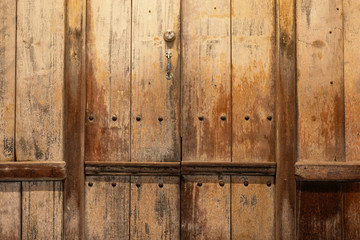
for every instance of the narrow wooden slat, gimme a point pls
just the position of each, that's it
(252, 207)
(7, 78)
(155, 110)
(107, 208)
(40, 80)
(108, 80)
(16, 171)
(155, 212)
(327, 172)
(320, 81)
(319, 211)
(351, 195)
(10, 210)
(74, 119)
(253, 80)
(205, 207)
(206, 81)
(42, 210)
(351, 14)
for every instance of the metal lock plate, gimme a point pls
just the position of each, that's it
(169, 35)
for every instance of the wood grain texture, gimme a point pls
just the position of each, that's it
(351, 208)
(253, 80)
(320, 81)
(40, 80)
(252, 207)
(7, 78)
(155, 209)
(108, 80)
(206, 81)
(351, 12)
(42, 210)
(319, 211)
(107, 207)
(155, 101)
(10, 210)
(205, 207)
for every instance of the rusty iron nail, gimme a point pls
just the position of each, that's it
(114, 118)
(91, 118)
(161, 185)
(246, 183)
(268, 183)
(138, 119)
(90, 184)
(113, 184)
(269, 118)
(331, 82)
(137, 184)
(160, 119)
(247, 118)
(221, 183)
(223, 118)
(201, 118)
(199, 184)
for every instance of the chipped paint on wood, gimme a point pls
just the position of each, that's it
(40, 80)
(206, 81)
(7, 78)
(253, 80)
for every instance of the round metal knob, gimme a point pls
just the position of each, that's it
(169, 35)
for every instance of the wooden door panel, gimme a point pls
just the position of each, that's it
(351, 210)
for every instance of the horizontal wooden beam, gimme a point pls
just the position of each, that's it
(26, 171)
(177, 168)
(339, 171)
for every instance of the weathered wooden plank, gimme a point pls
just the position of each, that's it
(205, 207)
(108, 80)
(16, 171)
(320, 85)
(252, 207)
(10, 210)
(327, 172)
(253, 80)
(107, 207)
(351, 206)
(319, 211)
(155, 212)
(206, 81)
(42, 210)
(40, 80)
(155, 105)
(75, 99)
(351, 13)
(7, 78)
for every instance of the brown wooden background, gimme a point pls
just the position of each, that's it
(256, 135)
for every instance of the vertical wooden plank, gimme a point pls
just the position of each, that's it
(155, 110)
(74, 115)
(10, 210)
(108, 80)
(319, 210)
(285, 215)
(320, 80)
(205, 207)
(252, 207)
(253, 80)
(351, 14)
(155, 212)
(42, 210)
(107, 207)
(40, 80)
(351, 205)
(7, 78)
(206, 81)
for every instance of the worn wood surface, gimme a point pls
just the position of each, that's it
(351, 12)
(16, 171)
(320, 84)
(155, 203)
(10, 210)
(155, 105)
(206, 81)
(253, 80)
(107, 207)
(40, 80)
(108, 80)
(205, 207)
(351, 209)
(252, 207)
(319, 210)
(7, 78)
(42, 210)
(74, 126)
